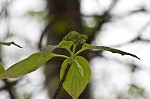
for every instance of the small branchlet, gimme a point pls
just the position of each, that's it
(76, 37)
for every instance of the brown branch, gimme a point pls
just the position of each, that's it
(137, 38)
(62, 81)
(103, 19)
(42, 36)
(9, 87)
(2, 11)
(4, 7)
(140, 10)
(46, 31)
(112, 5)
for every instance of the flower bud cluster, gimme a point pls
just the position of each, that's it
(76, 37)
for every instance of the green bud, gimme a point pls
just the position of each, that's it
(76, 37)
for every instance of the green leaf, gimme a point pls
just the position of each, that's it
(10, 43)
(75, 81)
(105, 48)
(65, 44)
(30, 64)
(49, 48)
(80, 69)
(1, 69)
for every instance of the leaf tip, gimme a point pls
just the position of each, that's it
(135, 56)
(16, 45)
(138, 58)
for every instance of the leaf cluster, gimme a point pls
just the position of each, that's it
(75, 71)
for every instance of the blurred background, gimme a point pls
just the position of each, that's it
(122, 24)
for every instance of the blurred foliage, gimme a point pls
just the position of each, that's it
(27, 96)
(134, 92)
(92, 24)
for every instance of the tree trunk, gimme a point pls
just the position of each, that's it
(64, 17)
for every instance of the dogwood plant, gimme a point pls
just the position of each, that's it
(75, 71)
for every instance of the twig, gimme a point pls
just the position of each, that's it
(9, 87)
(113, 4)
(137, 38)
(124, 15)
(3, 8)
(61, 82)
(42, 35)
(46, 30)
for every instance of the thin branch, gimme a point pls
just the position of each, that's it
(61, 82)
(4, 5)
(45, 32)
(42, 36)
(2, 11)
(142, 9)
(9, 87)
(137, 38)
(104, 18)
(112, 5)
(3, 8)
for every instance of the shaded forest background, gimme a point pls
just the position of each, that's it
(115, 23)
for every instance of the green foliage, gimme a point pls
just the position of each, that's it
(76, 37)
(105, 48)
(30, 64)
(2, 70)
(65, 44)
(77, 77)
(79, 73)
(10, 43)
